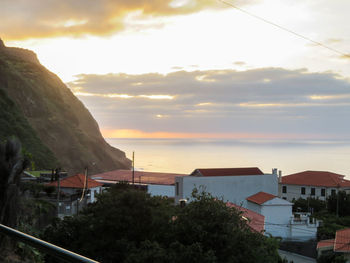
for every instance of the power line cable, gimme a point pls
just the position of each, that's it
(287, 30)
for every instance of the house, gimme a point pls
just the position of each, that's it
(75, 184)
(315, 184)
(75, 193)
(279, 219)
(255, 220)
(341, 244)
(155, 183)
(232, 184)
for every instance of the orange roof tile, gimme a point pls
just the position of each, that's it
(342, 240)
(228, 171)
(316, 178)
(325, 243)
(256, 221)
(260, 198)
(140, 176)
(76, 181)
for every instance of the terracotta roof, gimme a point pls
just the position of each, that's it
(316, 178)
(260, 198)
(256, 221)
(342, 240)
(228, 171)
(144, 177)
(76, 181)
(325, 243)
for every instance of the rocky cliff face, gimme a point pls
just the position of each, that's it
(60, 121)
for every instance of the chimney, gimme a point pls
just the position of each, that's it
(274, 171)
(279, 176)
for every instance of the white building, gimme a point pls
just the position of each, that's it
(279, 219)
(314, 184)
(155, 183)
(232, 184)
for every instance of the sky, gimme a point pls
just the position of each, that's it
(196, 68)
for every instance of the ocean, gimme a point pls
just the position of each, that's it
(185, 155)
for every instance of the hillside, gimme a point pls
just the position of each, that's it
(53, 125)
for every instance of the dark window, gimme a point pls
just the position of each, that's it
(284, 189)
(177, 188)
(323, 192)
(303, 190)
(333, 192)
(313, 191)
(285, 198)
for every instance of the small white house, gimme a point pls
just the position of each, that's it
(72, 184)
(279, 219)
(314, 184)
(232, 184)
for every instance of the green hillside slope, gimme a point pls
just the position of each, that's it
(50, 121)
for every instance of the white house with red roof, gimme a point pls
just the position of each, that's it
(73, 184)
(279, 219)
(232, 184)
(154, 182)
(341, 244)
(314, 184)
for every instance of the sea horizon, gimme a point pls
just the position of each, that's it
(184, 155)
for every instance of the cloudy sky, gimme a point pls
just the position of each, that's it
(196, 68)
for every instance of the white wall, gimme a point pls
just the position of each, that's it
(163, 190)
(278, 213)
(294, 191)
(231, 188)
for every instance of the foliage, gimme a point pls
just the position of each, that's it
(33, 187)
(331, 258)
(49, 189)
(128, 225)
(13, 123)
(331, 223)
(343, 201)
(308, 205)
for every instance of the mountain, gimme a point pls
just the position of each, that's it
(52, 124)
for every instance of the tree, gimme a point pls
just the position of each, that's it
(128, 225)
(12, 165)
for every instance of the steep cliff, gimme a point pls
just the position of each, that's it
(53, 125)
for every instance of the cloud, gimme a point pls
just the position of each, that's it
(21, 19)
(265, 100)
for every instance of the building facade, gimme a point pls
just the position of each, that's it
(230, 184)
(313, 184)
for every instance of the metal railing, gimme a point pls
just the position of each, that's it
(46, 247)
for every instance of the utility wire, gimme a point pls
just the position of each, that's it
(287, 30)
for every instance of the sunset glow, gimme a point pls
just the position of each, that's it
(196, 69)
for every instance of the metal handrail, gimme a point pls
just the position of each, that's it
(44, 246)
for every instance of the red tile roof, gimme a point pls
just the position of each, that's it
(342, 241)
(260, 198)
(325, 243)
(144, 177)
(316, 178)
(228, 171)
(256, 221)
(76, 181)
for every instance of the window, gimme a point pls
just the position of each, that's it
(303, 190)
(284, 189)
(333, 192)
(323, 192)
(285, 198)
(177, 188)
(313, 191)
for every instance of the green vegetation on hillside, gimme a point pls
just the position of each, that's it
(13, 123)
